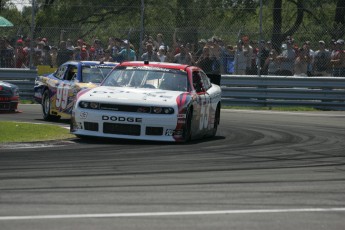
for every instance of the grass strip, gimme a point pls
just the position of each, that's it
(27, 132)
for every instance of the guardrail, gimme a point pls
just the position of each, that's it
(23, 78)
(318, 92)
(243, 90)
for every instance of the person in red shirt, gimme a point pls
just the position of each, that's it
(21, 54)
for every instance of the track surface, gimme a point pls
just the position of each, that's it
(264, 170)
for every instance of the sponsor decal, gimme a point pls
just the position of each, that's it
(169, 132)
(181, 116)
(83, 115)
(122, 119)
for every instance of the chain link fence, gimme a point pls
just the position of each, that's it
(222, 39)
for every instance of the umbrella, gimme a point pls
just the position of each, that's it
(4, 22)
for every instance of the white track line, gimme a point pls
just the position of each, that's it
(185, 213)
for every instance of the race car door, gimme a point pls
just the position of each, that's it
(203, 103)
(64, 88)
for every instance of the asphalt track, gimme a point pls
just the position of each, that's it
(264, 170)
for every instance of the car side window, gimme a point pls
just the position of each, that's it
(70, 73)
(206, 81)
(197, 82)
(60, 72)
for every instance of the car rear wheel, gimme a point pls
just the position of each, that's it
(46, 107)
(216, 121)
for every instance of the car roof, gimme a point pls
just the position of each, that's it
(167, 65)
(90, 63)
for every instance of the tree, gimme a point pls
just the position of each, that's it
(339, 20)
(278, 36)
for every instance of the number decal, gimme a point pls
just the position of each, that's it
(204, 114)
(61, 96)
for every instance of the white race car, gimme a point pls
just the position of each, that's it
(149, 101)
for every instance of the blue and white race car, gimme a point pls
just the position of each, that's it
(149, 101)
(56, 91)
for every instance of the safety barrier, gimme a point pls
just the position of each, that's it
(242, 90)
(318, 92)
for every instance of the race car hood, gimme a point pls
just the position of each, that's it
(131, 96)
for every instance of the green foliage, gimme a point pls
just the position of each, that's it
(22, 132)
(228, 19)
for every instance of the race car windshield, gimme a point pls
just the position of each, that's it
(148, 78)
(94, 74)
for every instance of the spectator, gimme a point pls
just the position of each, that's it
(6, 54)
(205, 62)
(310, 53)
(200, 48)
(184, 57)
(45, 56)
(170, 54)
(262, 56)
(127, 53)
(248, 54)
(322, 60)
(253, 69)
(63, 54)
(37, 57)
(301, 62)
(161, 53)
(158, 42)
(287, 59)
(107, 56)
(27, 49)
(338, 59)
(69, 44)
(241, 61)
(77, 53)
(84, 54)
(45, 40)
(114, 47)
(53, 55)
(92, 54)
(80, 43)
(229, 59)
(150, 55)
(97, 45)
(21, 55)
(271, 63)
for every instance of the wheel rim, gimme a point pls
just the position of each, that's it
(46, 105)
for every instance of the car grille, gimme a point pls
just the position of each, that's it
(122, 129)
(154, 131)
(8, 105)
(125, 108)
(91, 126)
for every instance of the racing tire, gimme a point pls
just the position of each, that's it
(46, 108)
(216, 121)
(187, 131)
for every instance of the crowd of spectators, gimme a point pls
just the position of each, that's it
(213, 55)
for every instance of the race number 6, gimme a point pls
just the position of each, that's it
(204, 115)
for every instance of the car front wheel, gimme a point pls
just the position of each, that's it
(46, 107)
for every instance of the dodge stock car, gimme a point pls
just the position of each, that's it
(9, 97)
(56, 91)
(149, 101)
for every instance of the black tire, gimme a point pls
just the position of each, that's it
(46, 108)
(216, 121)
(187, 131)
